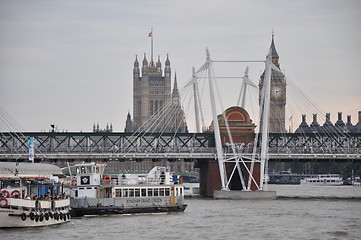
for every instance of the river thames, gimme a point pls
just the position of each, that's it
(301, 212)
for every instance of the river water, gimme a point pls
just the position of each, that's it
(301, 212)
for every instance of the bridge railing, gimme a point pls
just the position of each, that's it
(13, 145)
(183, 151)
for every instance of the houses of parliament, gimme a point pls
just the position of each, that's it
(156, 108)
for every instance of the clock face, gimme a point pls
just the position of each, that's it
(276, 92)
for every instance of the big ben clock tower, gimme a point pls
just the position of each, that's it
(277, 95)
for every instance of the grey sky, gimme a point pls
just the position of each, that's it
(70, 63)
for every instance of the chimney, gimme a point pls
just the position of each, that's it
(348, 119)
(359, 116)
(339, 116)
(303, 118)
(315, 117)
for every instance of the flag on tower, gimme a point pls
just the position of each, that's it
(150, 34)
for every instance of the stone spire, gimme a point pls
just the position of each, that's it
(175, 92)
(136, 70)
(145, 65)
(275, 57)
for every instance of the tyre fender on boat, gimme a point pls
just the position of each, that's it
(3, 202)
(23, 216)
(106, 178)
(32, 215)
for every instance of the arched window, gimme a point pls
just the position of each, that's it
(151, 112)
(161, 105)
(156, 106)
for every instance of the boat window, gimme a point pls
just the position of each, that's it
(161, 192)
(156, 193)
(137, 192)
(131, 192)
(181, 191)
(150, 192)
(125, 193)
(167, 192)
(118, 193)
(144, 192)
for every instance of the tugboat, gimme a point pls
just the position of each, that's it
(30, 195)
(95, 193)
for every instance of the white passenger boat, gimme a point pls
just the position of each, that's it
(95, 193)
(323, 180)
(31, 195)
(356, 181)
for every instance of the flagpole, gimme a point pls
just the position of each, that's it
(151, 42)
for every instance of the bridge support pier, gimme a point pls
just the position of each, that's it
(210, 178)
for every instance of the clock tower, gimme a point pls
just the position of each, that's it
(277, 95)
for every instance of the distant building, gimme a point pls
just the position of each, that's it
(328, 126)
(155, 107)
(108, 128)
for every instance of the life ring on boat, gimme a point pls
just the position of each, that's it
(5, 202)
(15, 193)
(106, 178)
(73, 182)
(32, 216)
(5, 193)
(23, 216)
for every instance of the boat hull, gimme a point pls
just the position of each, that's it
(83, 211)
(10, 218)
(16, 213)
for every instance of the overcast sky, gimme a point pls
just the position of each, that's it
(70, 63)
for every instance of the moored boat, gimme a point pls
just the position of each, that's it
(96, 193)
(32, 196)
(323, 180)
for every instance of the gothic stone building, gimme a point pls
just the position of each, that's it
(155, 107)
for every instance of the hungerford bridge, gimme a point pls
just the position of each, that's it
(84, 146)
(225, 162)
